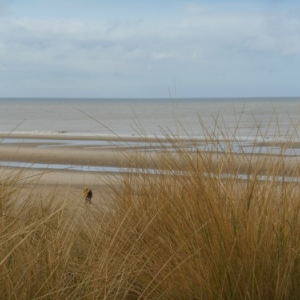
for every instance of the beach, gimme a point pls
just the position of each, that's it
(54, 173)
(65, 164)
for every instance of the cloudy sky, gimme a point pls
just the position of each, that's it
(143, 48)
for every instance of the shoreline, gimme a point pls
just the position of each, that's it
(94, 136)
(88, 136)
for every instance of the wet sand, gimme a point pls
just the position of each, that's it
(109, 151)
(70, 182)
(64, 182)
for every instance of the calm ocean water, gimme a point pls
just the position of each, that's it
(244, 117)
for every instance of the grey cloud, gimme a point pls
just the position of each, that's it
(94, 44)
(199, 38)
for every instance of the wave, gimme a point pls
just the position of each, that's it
(98, 135)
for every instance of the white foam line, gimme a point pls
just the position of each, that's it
(61, 133)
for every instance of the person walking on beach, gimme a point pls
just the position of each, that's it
(88, 194)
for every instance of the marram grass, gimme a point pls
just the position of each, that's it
(184, 235)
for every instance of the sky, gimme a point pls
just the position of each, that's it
(149, 49)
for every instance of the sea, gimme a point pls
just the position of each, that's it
(239, 118)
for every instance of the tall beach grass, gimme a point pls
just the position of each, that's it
(188, 231)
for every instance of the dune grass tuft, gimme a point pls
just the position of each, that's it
(193, 229)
